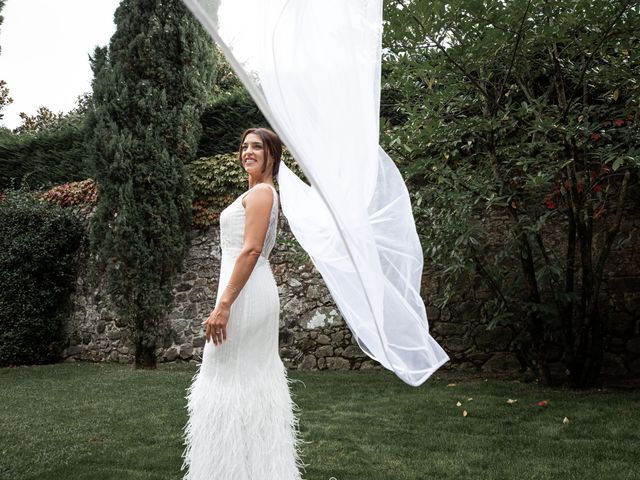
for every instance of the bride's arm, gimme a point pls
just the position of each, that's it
(258, 203)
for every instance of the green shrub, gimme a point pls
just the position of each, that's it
(48, 157)
(217, 181)
(38, 241)
(224, 121)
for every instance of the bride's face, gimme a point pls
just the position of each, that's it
(253, 154)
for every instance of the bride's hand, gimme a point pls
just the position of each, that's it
(216, 324)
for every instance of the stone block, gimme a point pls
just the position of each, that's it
(323, 339)
(621, 324)
(370, 365)
(633, 345)
(447, 328)
(171, 354)
(502, 362)
(186, 351)
(189, 276)
(478, 358)
(337, 338)
(457, 344)
(74, 350)
(306, 344)
(309, 362)
(338, 363)
(495, 339)
(616, 345)
(314, 292)
(353, 351)
(114, 335)
(287, 352)
(180, 325)
(295, 307)
(182, 287)
(324, 351)
(190, 311)
(198, 294)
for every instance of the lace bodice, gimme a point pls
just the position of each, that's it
(232, 220)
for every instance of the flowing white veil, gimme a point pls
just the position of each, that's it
(313, 69)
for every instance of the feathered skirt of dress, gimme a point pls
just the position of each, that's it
(243, 421)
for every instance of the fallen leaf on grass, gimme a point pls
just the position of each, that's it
(565, 421)
(511, 401)
(451, 385)
(464, 413)
(458, 404)
(469, 399)
(543, 403)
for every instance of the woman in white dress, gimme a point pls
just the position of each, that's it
(242, 420)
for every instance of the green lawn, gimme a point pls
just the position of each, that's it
(106, 421)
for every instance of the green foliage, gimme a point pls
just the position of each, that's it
(46, 155)
(233, 111)
(148, 92)
(38, 243)
(43, 119)
(82, 194)
(520, 144)
(226, 81)
(224, 121)
(5, 99)
(217, 181)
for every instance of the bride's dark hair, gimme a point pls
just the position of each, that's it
(271, 143)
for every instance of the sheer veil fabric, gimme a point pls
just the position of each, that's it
(313, 69)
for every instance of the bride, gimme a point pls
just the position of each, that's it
(242, 421)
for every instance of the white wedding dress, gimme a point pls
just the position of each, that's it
(242, 420)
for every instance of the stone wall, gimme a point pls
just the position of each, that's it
(313, 334)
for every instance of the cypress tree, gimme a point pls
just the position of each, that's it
(150, 86)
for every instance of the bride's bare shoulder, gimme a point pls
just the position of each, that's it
(261, 195)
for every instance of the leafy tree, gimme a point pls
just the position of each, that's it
(5, 99)
(226, 82)
(44, 118)
(148, 92)
(524, 113)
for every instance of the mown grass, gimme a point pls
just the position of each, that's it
(107, 421)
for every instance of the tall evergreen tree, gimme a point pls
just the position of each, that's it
(149, 88)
